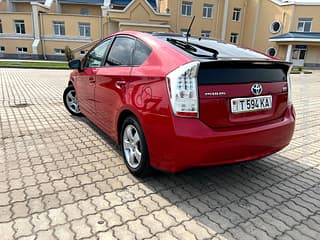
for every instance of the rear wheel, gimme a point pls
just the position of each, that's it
(134, 148)
(70, 101)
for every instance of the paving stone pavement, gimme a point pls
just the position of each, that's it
(62, 178)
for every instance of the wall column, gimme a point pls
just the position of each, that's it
(225, 19)
(289, 50)
(253, 41)
(291, 26)
(36, 29)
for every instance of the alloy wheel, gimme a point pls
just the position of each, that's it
(132, 146)
(72, 102)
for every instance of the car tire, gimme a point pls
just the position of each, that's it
(134, 148)
(70, 101)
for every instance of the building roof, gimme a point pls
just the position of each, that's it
(297, 36)
(297, 2)
(96, 2)
(153, 3)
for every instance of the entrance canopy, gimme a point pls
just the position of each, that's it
(302, 48)
(308, 37)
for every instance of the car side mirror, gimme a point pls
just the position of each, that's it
(75, 64)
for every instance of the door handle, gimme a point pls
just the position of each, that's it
(120, 84)
(92, 80)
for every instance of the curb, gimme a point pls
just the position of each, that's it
(49, 68)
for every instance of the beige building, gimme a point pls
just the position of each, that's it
(42, 29)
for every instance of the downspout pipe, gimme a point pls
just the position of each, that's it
(10, 6)
(35, 19)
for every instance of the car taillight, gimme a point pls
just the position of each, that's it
(183, 90)
(289, 87)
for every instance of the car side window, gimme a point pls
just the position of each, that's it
(121, 52)
(141, 53)
(96, 56)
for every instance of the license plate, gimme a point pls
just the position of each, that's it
(239, 105)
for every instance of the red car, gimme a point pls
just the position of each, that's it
(174, 103)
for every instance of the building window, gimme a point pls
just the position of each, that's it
(304, 25)
(186, 8)
(1, 31)
(84, 11)
(2, 49)
(59, 28)
(59, 51)
(272, 51)
(19, 26)
(83, 52)
(275, 27)
(207, 10)
(22, 50)
(205, 33)
(236, 14)
(234, 37)
(84, 30)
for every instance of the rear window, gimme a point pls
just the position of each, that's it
(209, 74)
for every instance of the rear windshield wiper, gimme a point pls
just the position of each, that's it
(192, 48)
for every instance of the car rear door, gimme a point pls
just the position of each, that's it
(112, 81)
(87, 78)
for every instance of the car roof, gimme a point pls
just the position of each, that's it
(225, 50)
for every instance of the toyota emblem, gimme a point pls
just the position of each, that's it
(256, 89)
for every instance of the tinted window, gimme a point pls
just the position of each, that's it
(237, 73)
(141, 52)
(121, 52)
(96, 56)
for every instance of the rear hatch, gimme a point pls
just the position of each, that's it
(238, 93)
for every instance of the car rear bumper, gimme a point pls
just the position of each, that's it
(187, 143)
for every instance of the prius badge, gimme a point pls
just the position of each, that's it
(256, 89)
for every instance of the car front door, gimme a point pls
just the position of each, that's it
(112, 81)
(87, 78)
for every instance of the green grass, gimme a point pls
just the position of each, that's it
(298, 70)
(22, 64)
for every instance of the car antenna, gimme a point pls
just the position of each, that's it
(189, 29)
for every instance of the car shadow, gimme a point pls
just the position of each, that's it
(98, 131)
(264, 198)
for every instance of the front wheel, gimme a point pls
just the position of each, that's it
(70, 101)
(134, 148)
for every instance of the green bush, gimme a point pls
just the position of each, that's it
(69, 54)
